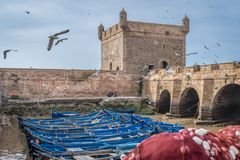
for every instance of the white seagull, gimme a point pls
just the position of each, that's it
(6, 52)
(54, 37)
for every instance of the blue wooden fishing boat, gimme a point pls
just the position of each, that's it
(69, 134)
(58, 114)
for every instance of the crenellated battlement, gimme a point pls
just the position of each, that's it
(128, 43)
(143, 27)
(113, 30)
(198, 71)
(212, 67)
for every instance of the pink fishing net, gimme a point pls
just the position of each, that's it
(190, 144)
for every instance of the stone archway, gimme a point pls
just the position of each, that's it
(226, 103)
(163, 105)
(189, 103)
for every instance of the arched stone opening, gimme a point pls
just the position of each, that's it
(226, 103)
(163, 105)
(189, 102)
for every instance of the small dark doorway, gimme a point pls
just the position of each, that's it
(164, 64)
(189, 102)
(110, 66)
(163, 105)
(151, 66)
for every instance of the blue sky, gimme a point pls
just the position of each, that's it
(211, 22)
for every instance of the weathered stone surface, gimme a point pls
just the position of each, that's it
(43, 83)
(140, 44)
(0, 99)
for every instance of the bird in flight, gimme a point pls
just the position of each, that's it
(191, 53)
(60, 40)
(27, 12)
(177, 54)
(206, 47)
(6, 52)
(55, 37)
(219, 45)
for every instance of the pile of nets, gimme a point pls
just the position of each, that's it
(190, 144)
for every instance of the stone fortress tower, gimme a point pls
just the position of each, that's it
(132, 46)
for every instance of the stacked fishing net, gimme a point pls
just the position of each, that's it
(231, 137)
(190, 144)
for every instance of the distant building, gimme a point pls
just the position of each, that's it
(134, 46)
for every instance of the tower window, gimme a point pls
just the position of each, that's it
(164, 46)
(164, 64)
(110, 66)
(166, 33)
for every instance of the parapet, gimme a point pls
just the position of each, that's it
(115, 29)
(144, 27)
(199, 69)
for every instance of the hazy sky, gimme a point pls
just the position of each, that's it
(211, 22)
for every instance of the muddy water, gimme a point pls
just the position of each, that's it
(186, 122)
(11, 138)
(12, 141)
(12, 156)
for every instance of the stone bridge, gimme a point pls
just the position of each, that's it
(209, 92)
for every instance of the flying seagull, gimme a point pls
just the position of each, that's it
(177, 54)
(54, 37)
(60, 40)
(6, 51)
(206, 47)
(191, 53)
(219, 45)
(27, 12)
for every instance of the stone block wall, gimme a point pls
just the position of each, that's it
(112, 49)
(152, 44)
(55, 83)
